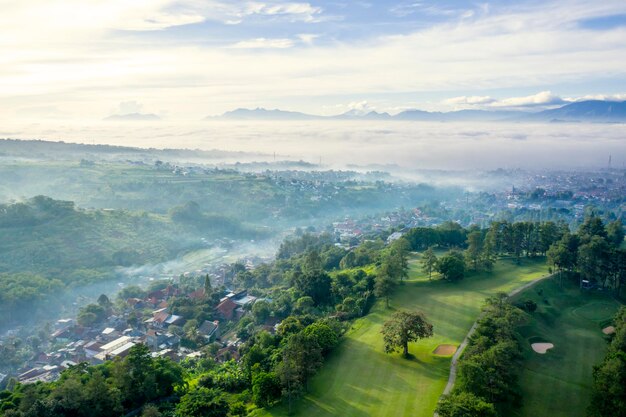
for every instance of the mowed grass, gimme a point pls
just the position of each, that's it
(558, 383)
(360, 380)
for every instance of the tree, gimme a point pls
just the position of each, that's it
(208, 289)
(266, 388)
(315, 283)
(405, 327)
(474, 249)
(608, 393)
(202, 402)
(429, 262)
(615, 233)
(593, 259)
(91, 314)
(384, 284)
(323, 334)
(464, 404)
(397, 258)
(288, 370)
(104, 302)
(451, 266)
(261, 311)
(592, 226)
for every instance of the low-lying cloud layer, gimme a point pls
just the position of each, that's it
(410, 145)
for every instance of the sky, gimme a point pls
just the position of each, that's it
(188, 59)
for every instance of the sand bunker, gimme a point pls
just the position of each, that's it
(541, 348)
(608, 330)
(445, 350)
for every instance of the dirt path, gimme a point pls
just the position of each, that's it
(459, 352)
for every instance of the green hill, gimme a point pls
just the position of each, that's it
(361, 380)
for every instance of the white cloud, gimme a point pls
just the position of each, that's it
(64, 54)
(542, 99)
(307, 38)
(470, 100)
(605, 97)
(296, 11)
(264, 43)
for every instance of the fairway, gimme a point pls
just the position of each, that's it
(572, 320)
(360, 380)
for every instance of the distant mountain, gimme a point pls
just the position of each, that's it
(356, 114)
(264, 114)
(454, 116)
(591, 110)
(584, 111)
(133, 117)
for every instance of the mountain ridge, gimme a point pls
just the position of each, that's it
(588, 110)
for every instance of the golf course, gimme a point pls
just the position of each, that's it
(572, 320)
(360, 380)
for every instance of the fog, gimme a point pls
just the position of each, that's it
(338, 144)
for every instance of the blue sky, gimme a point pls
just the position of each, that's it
(186, 59)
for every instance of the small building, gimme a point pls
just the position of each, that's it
(226, 309)
(156, 340)
(110, 334)
(210, 330)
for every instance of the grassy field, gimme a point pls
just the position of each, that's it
(360, 380)
(572, 320)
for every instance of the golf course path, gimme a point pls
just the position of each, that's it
(459, 351)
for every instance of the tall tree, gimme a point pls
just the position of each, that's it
(429, 262)
(208, 289)
(405, 327)
(385, 283)
(474, 249)
(615, 233)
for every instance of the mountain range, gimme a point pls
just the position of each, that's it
(582, 111)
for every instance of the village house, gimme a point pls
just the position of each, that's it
(226, 309)
(210, 330)
(156, 340)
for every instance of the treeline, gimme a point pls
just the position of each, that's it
(487, 374)
(608, 394)
(594, 253)
(111, 389)
(501, 238)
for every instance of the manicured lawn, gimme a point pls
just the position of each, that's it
(557, 384)
(360, 380)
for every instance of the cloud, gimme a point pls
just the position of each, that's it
(605, 97)
(360, 107)
(65, 53)
(307, 38)
(296, 11)
(129, 107)
(470, 100)
(543, 99)
(264, 43)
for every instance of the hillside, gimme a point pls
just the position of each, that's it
(360, 379)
